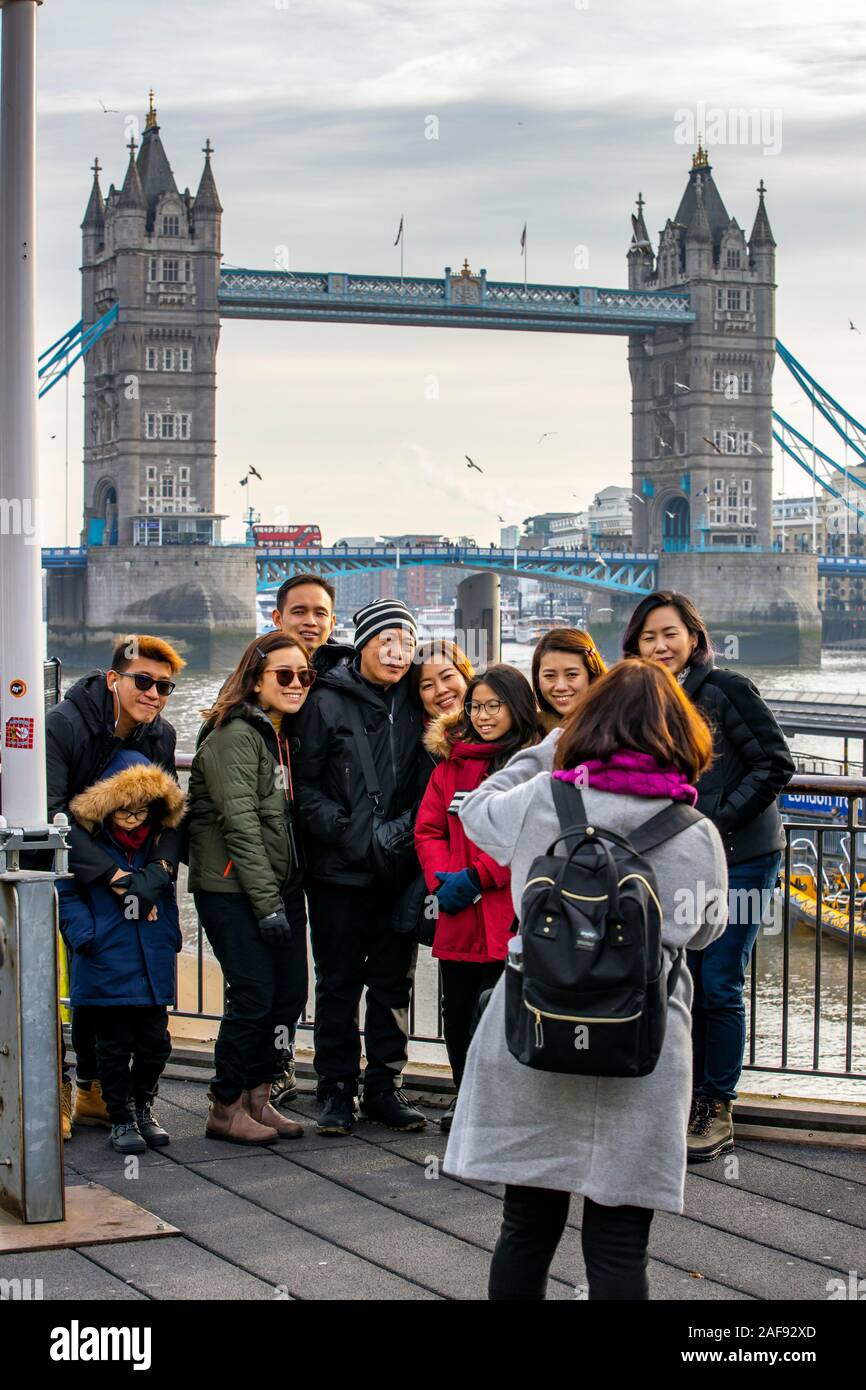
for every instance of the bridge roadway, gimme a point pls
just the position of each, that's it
(454, 301)
(629, 573)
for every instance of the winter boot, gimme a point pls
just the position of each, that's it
(338, 1113)
(66, 1110)
(89, 1105)
(258, 1105)
(711, 1133)
(233, 1123)
(284, 1088)
(151, 1131)
(447, 1118)
(126, 1139)
(392, 1109)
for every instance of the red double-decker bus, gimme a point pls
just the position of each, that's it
(275, 537)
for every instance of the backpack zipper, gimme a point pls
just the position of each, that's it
(539, 1014)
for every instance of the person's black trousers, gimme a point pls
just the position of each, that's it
(463, 981)
(83, 1030)
(353, 946)
(614, 1242)
(132, 1048)
(266, 989)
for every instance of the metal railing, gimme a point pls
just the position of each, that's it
(784, 1035)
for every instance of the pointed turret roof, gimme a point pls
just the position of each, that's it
(701, 174)
(762, 234)
(153, 166)
(207, 198)
(94, 215)
(640, 239)
(132, 193)
(699, 228)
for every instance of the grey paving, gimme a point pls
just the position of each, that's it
(374, 1217)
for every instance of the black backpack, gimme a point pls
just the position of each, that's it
(585, 985)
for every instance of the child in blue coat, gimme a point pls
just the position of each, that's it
(124, 944)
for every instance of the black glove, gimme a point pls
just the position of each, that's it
(145, 885)
(275, 930)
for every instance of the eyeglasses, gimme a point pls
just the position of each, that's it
(143, 682)
(483, 707)
(286, 676)
(132, 812)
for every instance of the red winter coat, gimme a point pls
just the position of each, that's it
(481, 931)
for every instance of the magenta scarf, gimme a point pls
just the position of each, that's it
(632, 774)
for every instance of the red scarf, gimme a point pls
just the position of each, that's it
(131, 840)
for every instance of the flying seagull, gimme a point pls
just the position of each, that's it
(639, 498)
(711, 444)
(107, 110)
(704, 492)
(243, 482)
(256, 474)
(470, 464)
(681, 386)
(547, 433)
(753, 445)
(667, 513)
(501, 518)
(600, 560)
(853, 327)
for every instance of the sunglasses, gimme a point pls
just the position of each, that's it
(286, 676)
(143, 682)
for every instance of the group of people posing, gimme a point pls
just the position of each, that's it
(384, 790)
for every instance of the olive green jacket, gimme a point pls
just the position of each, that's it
(239, 827)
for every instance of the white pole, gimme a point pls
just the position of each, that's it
(21, 647)
(66, 474)
(814, 488)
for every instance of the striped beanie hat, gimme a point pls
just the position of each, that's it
(379, 615)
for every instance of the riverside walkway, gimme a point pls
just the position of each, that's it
(365, 1218)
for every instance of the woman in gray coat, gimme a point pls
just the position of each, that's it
(634, 744)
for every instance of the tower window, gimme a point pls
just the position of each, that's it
(183, 473)
(745, 381)
(151, 359)
(747, 485)
(151, 474)
(151, 426)
(151, 268)
(171, 225)
(733, 259)
(184, 359)
(187, 271)
(166, 430)
(171, 269)
(734, 299)
(182, 426)
(168, 359)
(167, 486)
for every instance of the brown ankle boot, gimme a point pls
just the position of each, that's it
(234, 1123)
(259, 1108)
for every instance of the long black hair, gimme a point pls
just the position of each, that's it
(691, 618)
(514, 690)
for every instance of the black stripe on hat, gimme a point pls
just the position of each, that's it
(379, 615)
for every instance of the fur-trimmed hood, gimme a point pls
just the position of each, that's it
(132, 785)
(441, 734)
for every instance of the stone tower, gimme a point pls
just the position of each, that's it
(150, 381)
(702, 394)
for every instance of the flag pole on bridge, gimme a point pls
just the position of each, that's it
(400, 240)
(524, 253)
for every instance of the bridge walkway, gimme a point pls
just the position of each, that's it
(360, 1218)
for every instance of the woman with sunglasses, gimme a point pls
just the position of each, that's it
(245, 876)
(475, 912)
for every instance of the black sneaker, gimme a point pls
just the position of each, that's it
(284, 1087)
(338, 1114)
(126, 1139)
(392, 1109)
(445, 1122)
(151, 1131)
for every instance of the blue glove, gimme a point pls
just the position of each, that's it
(457, 890)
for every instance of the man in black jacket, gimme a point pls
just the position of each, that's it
(102, 713)
(306, 608)
(357, 782)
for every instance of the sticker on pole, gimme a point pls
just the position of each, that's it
(19, 732)
(17, 688)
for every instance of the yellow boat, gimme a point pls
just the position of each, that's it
(835, 920)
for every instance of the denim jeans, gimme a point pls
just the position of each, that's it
(719, 972)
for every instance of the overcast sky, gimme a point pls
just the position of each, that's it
(553, 113)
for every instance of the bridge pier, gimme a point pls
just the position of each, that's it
(200, 598)
(476, 619)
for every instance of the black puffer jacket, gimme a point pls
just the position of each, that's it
(751, 766)
(79, 744)
(335, 810)
(332, 654)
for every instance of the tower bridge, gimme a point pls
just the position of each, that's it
(698, 314)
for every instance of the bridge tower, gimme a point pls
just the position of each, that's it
(150, 383)
(702, 393)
